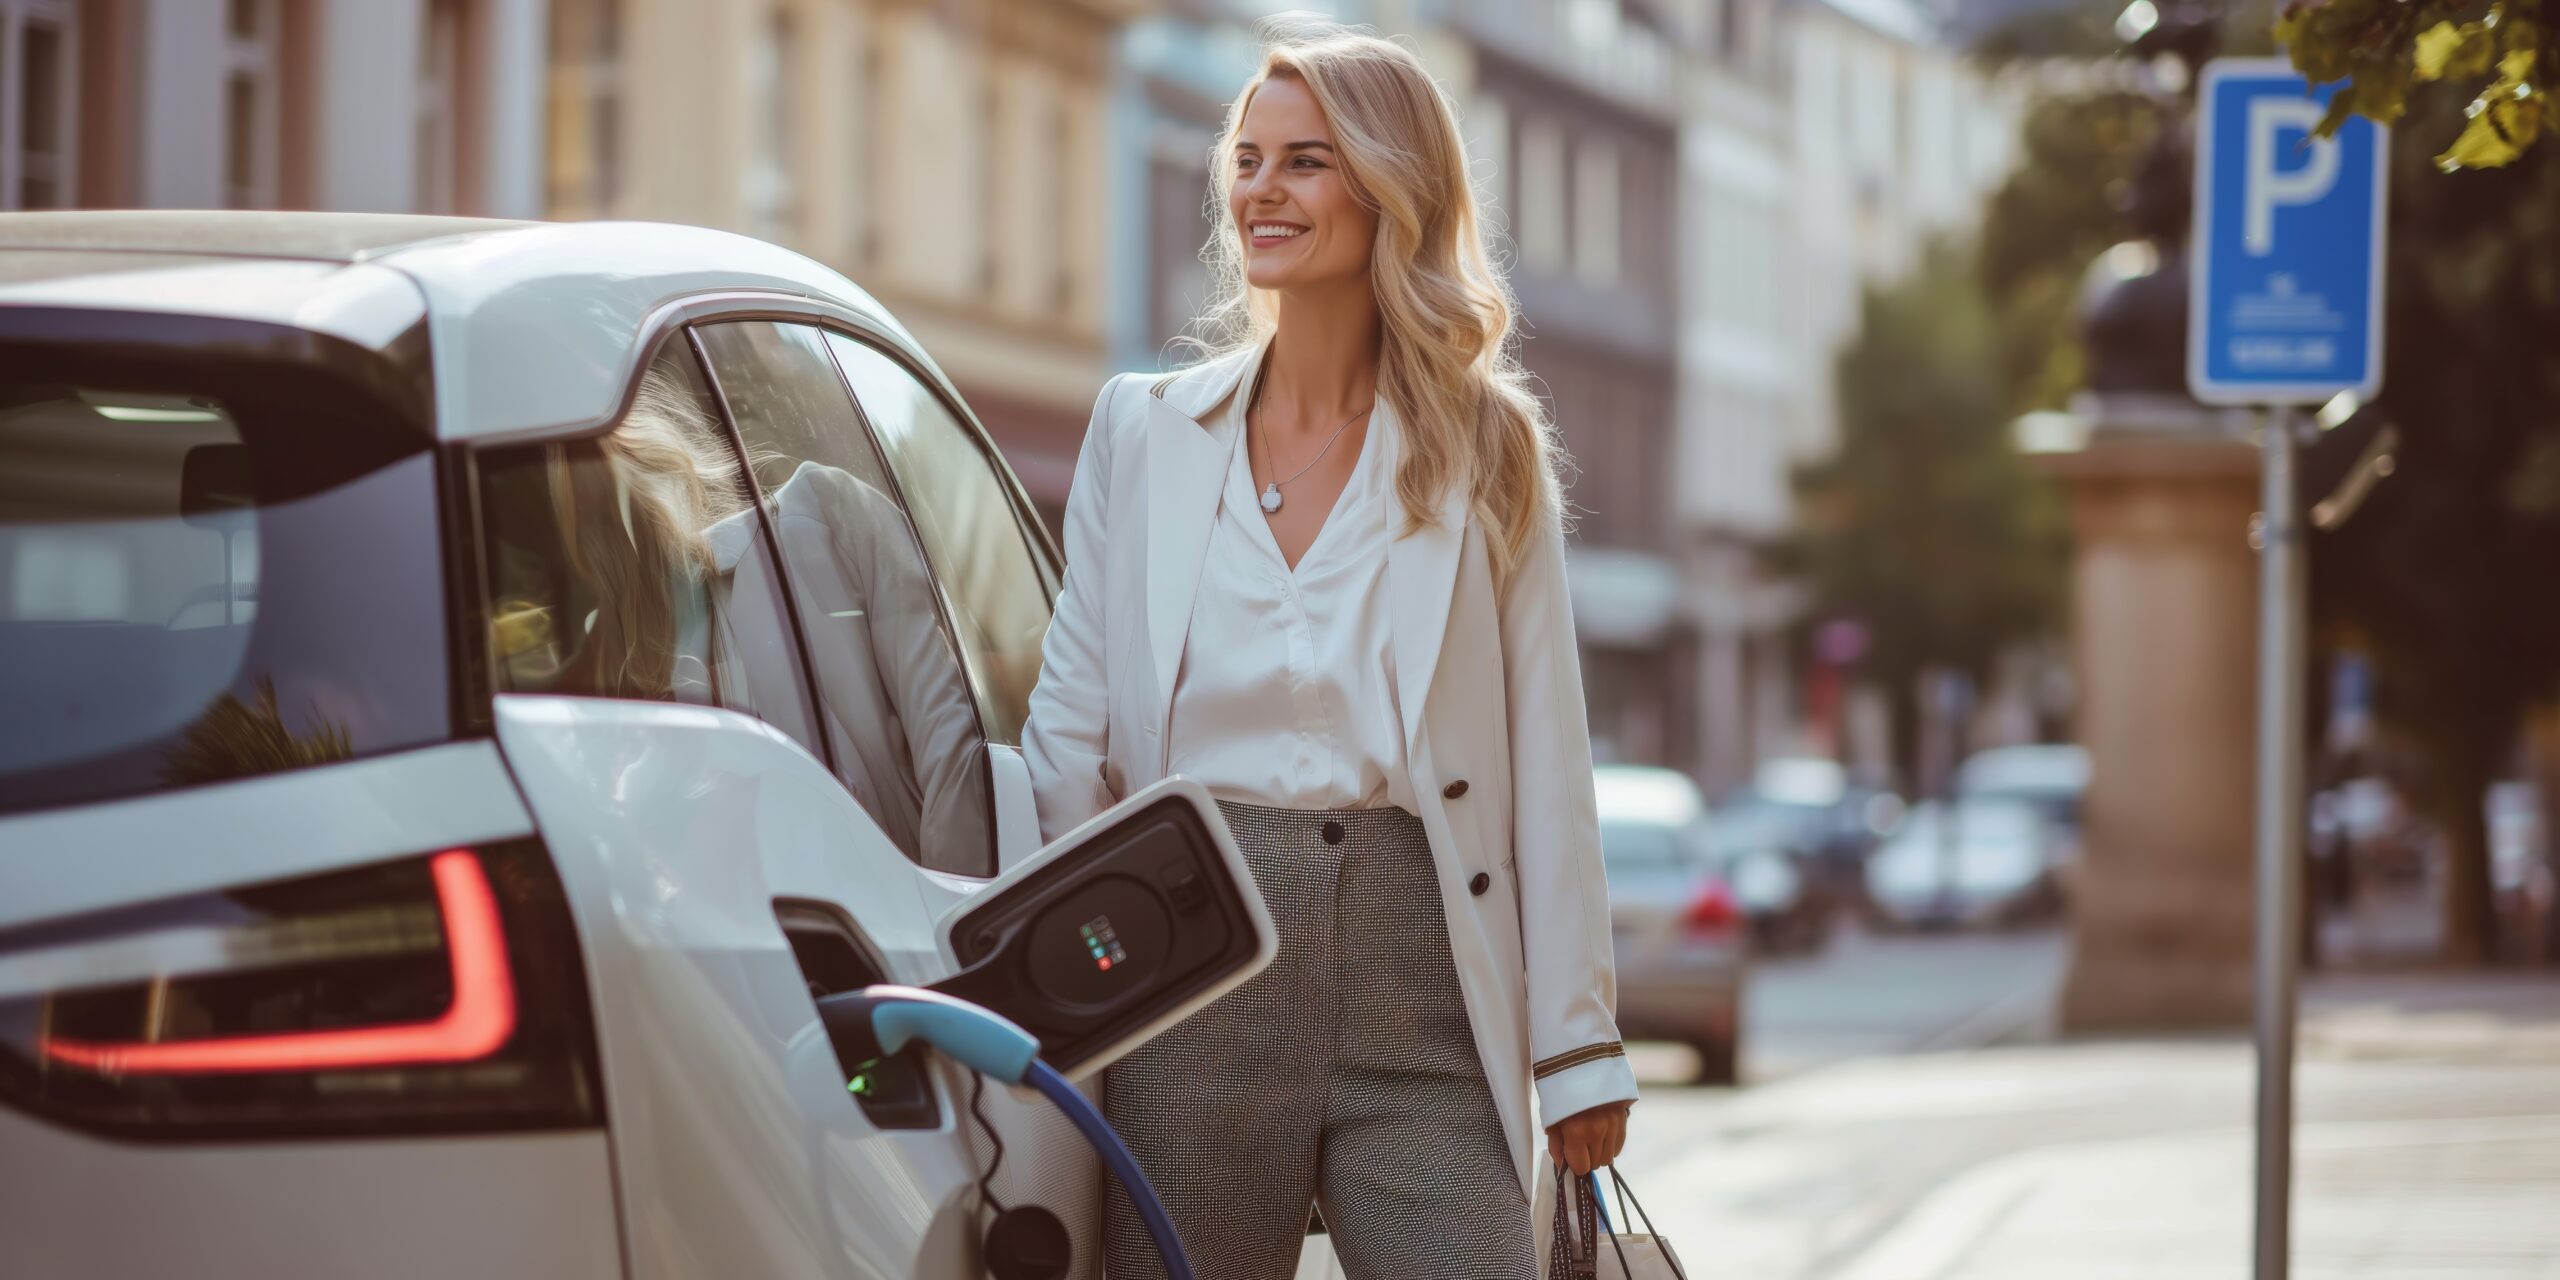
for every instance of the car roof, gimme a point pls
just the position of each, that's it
(1646, 795)
(316, 237)
(2048, 766)
(535, 328)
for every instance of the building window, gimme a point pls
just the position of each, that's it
(1598, 211)
(773, 198)
(439, 120)
(1539, 225)
(252, 117)
(38, 45)
(586, 108)
(862, 150)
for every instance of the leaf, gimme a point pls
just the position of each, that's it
(2501, 128)
(2434, 48)
(2447, 52)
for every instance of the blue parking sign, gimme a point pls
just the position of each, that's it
(2285, 304)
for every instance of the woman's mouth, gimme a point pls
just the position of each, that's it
(1267, 235)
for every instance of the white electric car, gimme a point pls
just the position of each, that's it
(466, 689)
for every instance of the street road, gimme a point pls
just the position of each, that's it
(2429, 1142)
(1874, 994)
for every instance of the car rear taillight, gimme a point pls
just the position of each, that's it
(1712, 911)
(438, 993)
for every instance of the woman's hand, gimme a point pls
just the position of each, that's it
(1590, 1139)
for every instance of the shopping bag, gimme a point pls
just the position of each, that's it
(1585, 1247)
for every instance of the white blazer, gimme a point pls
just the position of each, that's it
(1498, 754)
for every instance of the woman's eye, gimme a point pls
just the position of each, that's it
(1307, 162)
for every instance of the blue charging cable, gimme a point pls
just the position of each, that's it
(893, 1017)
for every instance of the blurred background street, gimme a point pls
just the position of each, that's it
(1915, 593)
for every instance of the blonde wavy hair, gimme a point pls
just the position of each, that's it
(1446, 361)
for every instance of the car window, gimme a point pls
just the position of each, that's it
(892, 692)
(632, 564)
(1632, 846)
(208, 573)
(1000, 601)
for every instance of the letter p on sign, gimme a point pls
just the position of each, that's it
(2268, 184)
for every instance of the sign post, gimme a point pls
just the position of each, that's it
(2284, 310)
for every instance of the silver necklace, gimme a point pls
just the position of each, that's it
(1271, 489)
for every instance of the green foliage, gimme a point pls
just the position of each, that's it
(2056, 213)
(2388, 50)
(1926, 524)
(2444, 573)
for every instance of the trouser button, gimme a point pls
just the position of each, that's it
(1333, 833)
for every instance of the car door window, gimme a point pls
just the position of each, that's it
(1000, 599)
(632, 564)
(892, 692)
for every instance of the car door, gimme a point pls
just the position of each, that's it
(656, 704)
(916, 641)
(999, 582)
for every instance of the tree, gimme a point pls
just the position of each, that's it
(2062, 206)
(1926, 524)
(2446, 572)
(2388, 51)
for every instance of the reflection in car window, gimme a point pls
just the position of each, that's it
(999, 603)
(895, 700)
(629, 564)
(209, 583)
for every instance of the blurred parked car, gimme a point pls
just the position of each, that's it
(1825, 824)
(2368, 820)
(2054, 777)
(1785, 891)
(1975, 862)
(1681, 948)
(2521, 873)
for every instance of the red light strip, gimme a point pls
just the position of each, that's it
(481, 1018)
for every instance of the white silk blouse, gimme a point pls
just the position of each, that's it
(1286, 692)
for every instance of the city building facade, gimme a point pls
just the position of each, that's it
(428, 106)
(948, 155)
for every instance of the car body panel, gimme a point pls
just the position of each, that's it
(257, 829)
(423, 1208)
(739, 1151)
(479, 1205)
(541, 327)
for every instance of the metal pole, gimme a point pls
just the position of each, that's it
(2281, 582)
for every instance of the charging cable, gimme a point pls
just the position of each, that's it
(886, 1019)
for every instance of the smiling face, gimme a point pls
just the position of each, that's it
(1302, 226)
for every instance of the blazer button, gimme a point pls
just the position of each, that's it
(1333, 833)
(1481, 883)
(1454, 789)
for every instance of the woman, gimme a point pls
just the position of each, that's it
(1322, 573)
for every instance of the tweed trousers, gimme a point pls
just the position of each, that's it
(1343, 1076)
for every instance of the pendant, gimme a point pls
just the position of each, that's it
(1270, 498)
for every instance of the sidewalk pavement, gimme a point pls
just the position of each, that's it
(2428, 1145)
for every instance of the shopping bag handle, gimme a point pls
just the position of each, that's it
(1626, 1200)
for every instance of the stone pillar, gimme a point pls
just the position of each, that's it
(2164, 629)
